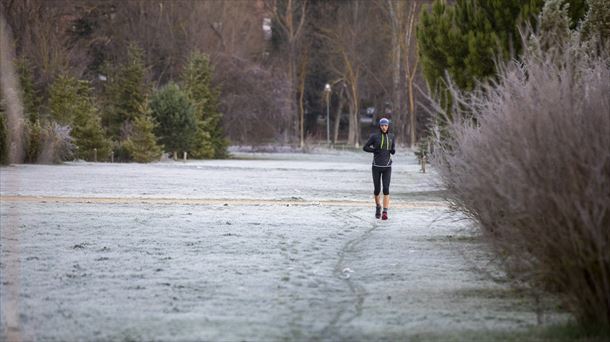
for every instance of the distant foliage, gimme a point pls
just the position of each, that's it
(175, 114)
(142, 144)
(255, 101)
(210, 141)
(72, 103)
(125, 93)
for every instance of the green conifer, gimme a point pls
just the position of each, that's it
(29, 94)
(465, 39)
(175, 114)
(125, 92)
(210, 141)
(142, 144)
(71, 103)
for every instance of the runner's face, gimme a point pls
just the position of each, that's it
(384, 128)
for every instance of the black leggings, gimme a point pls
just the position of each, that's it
(382, 174)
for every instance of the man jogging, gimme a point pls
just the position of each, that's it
(382, 145)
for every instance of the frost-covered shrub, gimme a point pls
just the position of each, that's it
(47, 142)
(533, 170)
(53, 141)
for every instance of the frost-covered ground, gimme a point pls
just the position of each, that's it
(260, 247)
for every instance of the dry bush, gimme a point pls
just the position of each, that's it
(55, 143)
(533, 169)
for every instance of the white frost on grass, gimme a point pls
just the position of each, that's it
(121, 271)
(330, 177)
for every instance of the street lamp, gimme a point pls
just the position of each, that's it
(327, 92)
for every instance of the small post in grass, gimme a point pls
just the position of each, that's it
(95, 155)
(184, 156)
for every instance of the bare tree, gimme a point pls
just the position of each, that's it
(411, 61)
(402, 17)
(42, 33)
(337, 122)
(348, 39)
(290, 16)
(395, 13)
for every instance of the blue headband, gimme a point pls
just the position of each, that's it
(384, 121)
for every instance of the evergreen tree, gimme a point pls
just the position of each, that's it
(33, 142)
(142, 144)
(65, 100)
(465, 39)
(125, 93)
(197, 81)
(71, 103)
(577, 9)
(175, 114)
(29, 95)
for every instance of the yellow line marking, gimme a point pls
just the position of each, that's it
(209, 201)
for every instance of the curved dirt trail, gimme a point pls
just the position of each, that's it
(283, 247)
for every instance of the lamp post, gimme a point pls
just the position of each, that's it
(327, 92)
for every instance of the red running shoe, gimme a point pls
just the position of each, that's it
(384, 216)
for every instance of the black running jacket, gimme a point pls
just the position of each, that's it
(381, 145)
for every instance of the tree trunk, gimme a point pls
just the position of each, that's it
(353, 133)
(293, 91)
(410, 72)
(301, 91)
(413, 117)
(395, 23)
(351, 129)
(338, 116)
